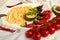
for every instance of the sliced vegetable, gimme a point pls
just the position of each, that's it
(56, 10)
(31, 14)
(34, 10)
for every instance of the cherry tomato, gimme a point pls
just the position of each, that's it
(46, 17)
(31, 25)
(41, 27)
(37, 36)
(53, 21)
(46, 12)
(58, 19)
(51, 29)
(42, 22)
(29, 33)
(57, 26)
(49, 23)
(36, 29)
(44, 33)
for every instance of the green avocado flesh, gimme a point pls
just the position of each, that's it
(31, 14)
(56, 10)
(30, 17)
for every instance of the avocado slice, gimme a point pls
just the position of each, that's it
(31, 14)
(56, 10)
(30, 17)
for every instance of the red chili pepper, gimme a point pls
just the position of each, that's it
(7, 29)
(14, 5)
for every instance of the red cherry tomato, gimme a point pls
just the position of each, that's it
(29, 33)
(37, 36)
(44, 33)
(46, 12)
(49, 23)
(57, 26)
(42, 22)
(36, 29)
(46, 17)
(41, 28)
(53, 21)
(51, 30)
(55, 18)
(58, 19)
(31, 25)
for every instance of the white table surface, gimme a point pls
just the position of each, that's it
(21, 35)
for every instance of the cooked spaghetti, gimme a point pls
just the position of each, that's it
(16, 15)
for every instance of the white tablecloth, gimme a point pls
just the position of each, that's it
(21, 35)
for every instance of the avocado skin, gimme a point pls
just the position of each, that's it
(56, 13)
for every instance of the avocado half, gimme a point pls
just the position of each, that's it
(56, 10)
(30, 17)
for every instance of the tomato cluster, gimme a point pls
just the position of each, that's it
(44, 30)
(44, 17)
